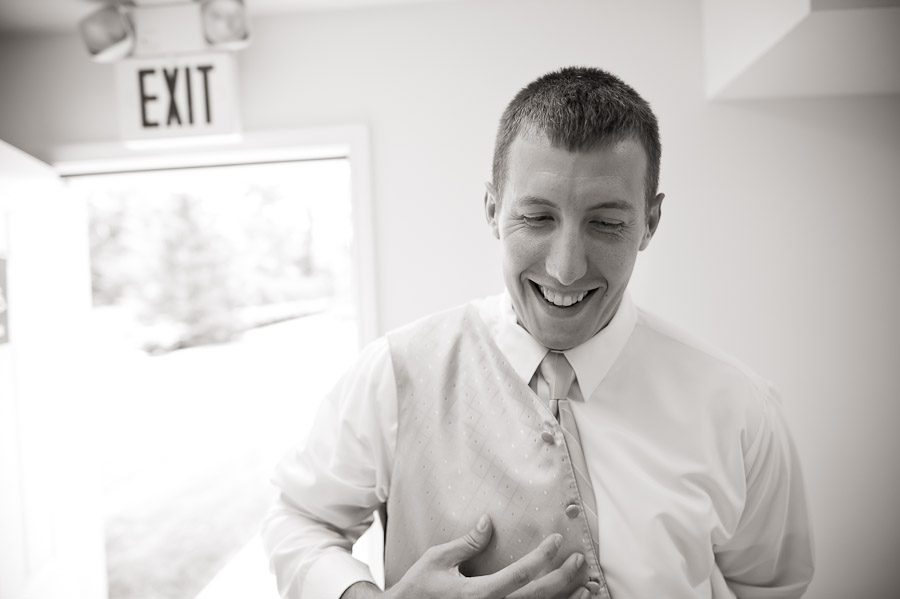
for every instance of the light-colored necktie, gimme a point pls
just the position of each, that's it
(560, 379)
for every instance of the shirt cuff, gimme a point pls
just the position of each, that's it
(331, 575)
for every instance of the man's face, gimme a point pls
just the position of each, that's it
(570, 225)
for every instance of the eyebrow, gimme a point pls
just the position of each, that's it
(610, 204)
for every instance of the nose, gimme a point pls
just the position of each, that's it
(567, 258)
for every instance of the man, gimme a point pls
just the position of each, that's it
(553, 441)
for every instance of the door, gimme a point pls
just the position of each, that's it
(52, 542)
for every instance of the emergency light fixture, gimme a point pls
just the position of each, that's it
(108, 34)
(145, 28)
(225, 24)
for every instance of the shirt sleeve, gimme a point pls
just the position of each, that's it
(770, 554)
(331, 484)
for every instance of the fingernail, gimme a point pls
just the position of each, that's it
(579, 559)
(482, 523)
(558, 541)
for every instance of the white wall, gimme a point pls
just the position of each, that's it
(777, 239)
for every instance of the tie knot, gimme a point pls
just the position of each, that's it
(558, 373)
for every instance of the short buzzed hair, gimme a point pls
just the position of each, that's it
(579, 109)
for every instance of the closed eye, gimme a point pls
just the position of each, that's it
(537, 220)
(608, 225)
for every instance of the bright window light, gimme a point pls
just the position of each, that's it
(223, 312)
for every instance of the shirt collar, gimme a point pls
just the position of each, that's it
(591, 360)
(521, 350)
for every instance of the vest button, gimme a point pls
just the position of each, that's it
(548, 437)
(593, 586)
(573, 510)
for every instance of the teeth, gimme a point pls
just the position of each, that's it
(561, 299)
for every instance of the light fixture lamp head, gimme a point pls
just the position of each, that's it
(108, 33)
(225, 24)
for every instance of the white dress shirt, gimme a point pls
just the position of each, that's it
(698, 487)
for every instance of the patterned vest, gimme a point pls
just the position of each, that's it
(473, 438)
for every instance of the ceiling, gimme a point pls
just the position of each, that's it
(801, 48)
(753, 48)
(62, 16)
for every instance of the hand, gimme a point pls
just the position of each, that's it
(541, 574)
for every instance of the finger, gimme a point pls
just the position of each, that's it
(580, 593)
(563, 581)
(521, 572)
(465, 547)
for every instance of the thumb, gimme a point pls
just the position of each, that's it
(469, 545)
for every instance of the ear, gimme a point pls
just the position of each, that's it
(653, 215)
(492, 208)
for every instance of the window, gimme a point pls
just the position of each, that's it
(223, 310)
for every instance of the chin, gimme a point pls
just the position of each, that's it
(560, 342)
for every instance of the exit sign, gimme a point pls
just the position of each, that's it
(179, 96)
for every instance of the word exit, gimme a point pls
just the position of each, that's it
(183, 96)
(176, 103)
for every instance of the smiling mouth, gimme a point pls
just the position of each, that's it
(561, 300)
